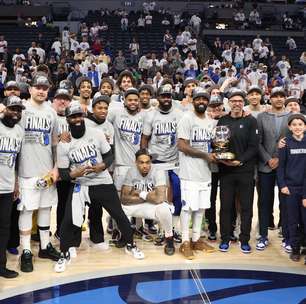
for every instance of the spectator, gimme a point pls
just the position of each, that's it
(227, 54)
(141, 23)
(119, 62)
(190, 61)
(195, 22)
(283, 66)
(57, 46)
(124, 23)
(84, 45)
(291, 44)
(134, 51)
(148, 22)
(167, 40)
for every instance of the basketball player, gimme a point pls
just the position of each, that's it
(37, 165)
(11, 137)
(194, 141)
(159, 136)
(144, 195)
(84, 161)
(61, 101)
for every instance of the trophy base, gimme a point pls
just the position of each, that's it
(225, 156)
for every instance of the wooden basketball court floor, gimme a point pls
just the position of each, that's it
(92, 263)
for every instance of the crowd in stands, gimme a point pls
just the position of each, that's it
(150, 101)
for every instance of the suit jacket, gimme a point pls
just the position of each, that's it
(269, 137)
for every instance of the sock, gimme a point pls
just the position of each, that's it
(185, 218)
(175, 220)
(25, 241)
(44, 238)
(197, 217)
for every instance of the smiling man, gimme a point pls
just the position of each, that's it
(237, 176)
(11, 137)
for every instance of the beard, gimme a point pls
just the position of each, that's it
(165, 108)
(201, 108)
(10, 121)
(77, 131)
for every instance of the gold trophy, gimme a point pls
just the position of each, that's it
(221, 138)
(44, 182)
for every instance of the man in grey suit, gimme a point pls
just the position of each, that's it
(272, 126)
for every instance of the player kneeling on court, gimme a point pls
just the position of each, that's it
(84, 161)
(143, 195)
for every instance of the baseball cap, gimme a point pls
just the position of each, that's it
(66, 84)
(74, 108)
(215, 100)
(236, 92)
(62, 92)
(255, 88)
(296, 116)
(14, 101)
(164, 90)
(190, 80)
(199, 92)
(291, 99)
(131, 91)
(100, 98)
(278, 91)
(40, 80)
(11, 84)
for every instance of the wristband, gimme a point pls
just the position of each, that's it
(143, 195)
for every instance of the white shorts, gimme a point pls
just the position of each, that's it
(143, 210)
(195, 195)
(32, 198)
(119, 176)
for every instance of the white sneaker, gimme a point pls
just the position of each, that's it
(60, 265)
(103, 246)
(134, 251)
(73, 252)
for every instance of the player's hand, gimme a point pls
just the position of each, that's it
(304, 202)
(98, 167)
(282, 143)
(211, 157)
(81, 171)
(65, 137)
(55, 174)
(231, 163)
(273, 163)
(285, 191)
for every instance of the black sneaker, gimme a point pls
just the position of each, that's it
(145, 236)
(116, 235)
(177, 238)
(159, 240)
(26, 263)
(303, 251)
(295, 255)
(151, 228)
(8, 274)
(120, 243)
(49, 253)
(212, 237)
(169, 249)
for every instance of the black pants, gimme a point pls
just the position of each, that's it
(296, 218)
(100, 196)
(6, 205)
(210, 214)
(266, 184)
(14, 239)
(63, 188)
(96, 231)
(231, 185)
